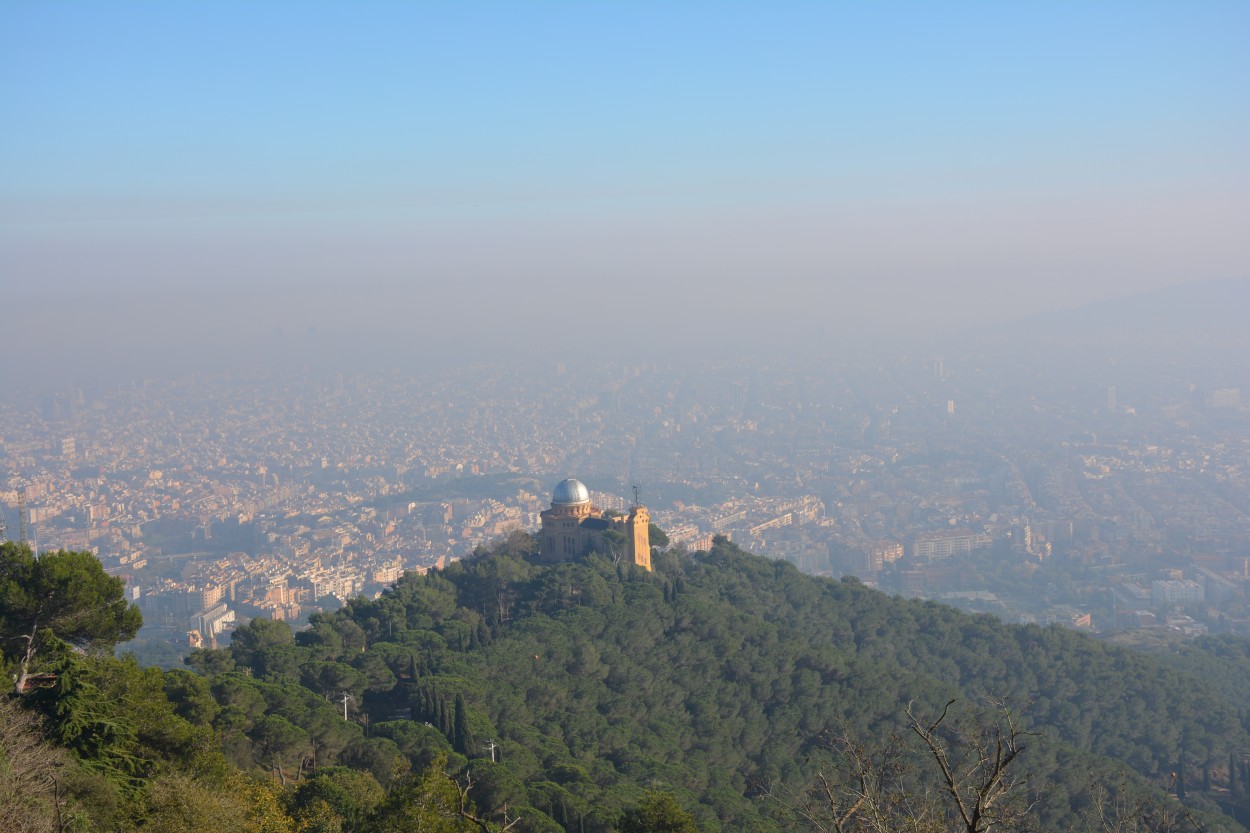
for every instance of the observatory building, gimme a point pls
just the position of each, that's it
(572, 526)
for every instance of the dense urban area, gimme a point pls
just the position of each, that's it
(1105, 494)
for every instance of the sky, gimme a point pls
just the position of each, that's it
(184, 180)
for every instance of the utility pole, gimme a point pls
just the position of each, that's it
(491, 746)
(345, 698)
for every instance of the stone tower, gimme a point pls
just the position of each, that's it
(638, 529)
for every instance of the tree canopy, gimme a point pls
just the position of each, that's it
(593, 696)
(570, 689)
(658, 812)
(63, 595)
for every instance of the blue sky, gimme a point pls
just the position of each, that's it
(873, 160)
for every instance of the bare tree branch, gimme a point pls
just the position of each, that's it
(1114, 812)
(486, 826)
(975, 765)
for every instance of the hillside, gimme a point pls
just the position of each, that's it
(568, 694)
(721, 673)
(1197, 307)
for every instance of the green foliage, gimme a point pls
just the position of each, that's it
(332, 679)
(718, 673)
(181, 804)
(336, 798)
(136, 757)
(429, 802)
(118, 721)
(420, 744)
(380, 757)
(614, 699)
(257, 635)
(210, 661)
(192, 697)
(460, 726)
(658, 812)
(63, 596)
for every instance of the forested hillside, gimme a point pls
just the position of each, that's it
(592, 696)
(720, 675)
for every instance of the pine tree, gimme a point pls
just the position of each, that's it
(659, 812)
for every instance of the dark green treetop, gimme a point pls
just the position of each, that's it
(63, 595)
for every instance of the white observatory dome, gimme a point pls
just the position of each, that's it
(570, 493)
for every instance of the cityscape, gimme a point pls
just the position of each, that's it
(1113, 498)
(625, 417)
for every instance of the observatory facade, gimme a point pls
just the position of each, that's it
(573, 526)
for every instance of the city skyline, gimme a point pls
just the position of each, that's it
(1040, 491)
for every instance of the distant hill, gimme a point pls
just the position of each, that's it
(1205, 307)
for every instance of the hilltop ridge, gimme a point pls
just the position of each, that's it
(564, 695)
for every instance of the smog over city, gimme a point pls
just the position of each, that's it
(940, 302)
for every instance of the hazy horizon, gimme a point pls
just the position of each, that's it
(183, 184)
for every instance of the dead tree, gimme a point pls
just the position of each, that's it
(31, 771)
(885, 789)
(975, 766)
(1116, 812)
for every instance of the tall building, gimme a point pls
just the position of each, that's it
(1226, 398)
(1167, 593)
(574, 526)
(939, 545)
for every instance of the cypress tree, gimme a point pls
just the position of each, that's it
(460, 728)
(417, 704)
(444, 725)
(429, 707)
(1243, 792)
(1234, 789)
